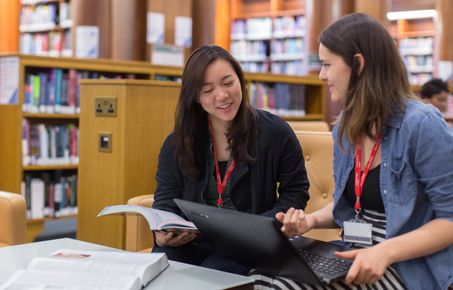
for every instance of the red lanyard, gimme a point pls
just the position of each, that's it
(220, 184)
(360, 177)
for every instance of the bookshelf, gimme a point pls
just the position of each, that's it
(45, 27)
(270, 36)
(39, 114)
(415, 39)
(293, 98)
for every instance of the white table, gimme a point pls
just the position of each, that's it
(176, 276)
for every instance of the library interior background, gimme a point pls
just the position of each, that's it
(71, 70)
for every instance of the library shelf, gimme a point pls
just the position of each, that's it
(265, 29)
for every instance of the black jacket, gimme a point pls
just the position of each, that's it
(279, 163)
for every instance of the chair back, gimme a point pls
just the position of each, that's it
(139, 237)
(318, 154)
(320, 126)
(13, 220)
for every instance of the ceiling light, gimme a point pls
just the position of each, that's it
(413, 14)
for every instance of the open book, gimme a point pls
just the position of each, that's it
(74, 269)
(158, 220)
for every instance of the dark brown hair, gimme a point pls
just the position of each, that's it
(381, 88)
(191, 125)
(433, 87)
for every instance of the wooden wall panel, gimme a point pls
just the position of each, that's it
(128, 41)
(315, 13)
(402, 5)
(377, 9)
(94, 13)
(338, 9)
(222, 30)
(9, 25)
(335, 9)
(205, 20)
(444, 31)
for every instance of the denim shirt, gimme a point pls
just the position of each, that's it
(416, 183)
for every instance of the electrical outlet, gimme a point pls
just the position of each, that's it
(105, 142)
(105, 107)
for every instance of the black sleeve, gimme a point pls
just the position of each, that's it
(292, 176)
(168, 178)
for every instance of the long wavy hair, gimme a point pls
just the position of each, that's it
(381, 88)
(191, 123)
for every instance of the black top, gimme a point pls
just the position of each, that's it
(275, 182)
(371, 195)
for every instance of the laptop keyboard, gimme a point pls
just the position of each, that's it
(325, 265)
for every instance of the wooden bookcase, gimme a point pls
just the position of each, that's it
(13, 168)
(416, 39)
(270, 36)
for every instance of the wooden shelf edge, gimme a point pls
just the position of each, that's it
(307, 117)
(42, 220)
(50, 116)
(50, 167)
(268, 14)
(275, 78)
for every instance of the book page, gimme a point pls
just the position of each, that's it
(49, 280)
(157, 219)
(110, 263)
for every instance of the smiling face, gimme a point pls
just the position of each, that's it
(336, 73)
(220, 95)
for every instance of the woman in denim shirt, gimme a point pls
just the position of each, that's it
(407, 195)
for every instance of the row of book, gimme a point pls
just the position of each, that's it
(280, 49)
(50, 195)
(250, 50)
(267, 28)
(35, 17)
(53, 43)
(419, 63)
(45, 144)
(419, 78)
(290, 46)
(57, 91)
(290, 26)
(252, 28)
(416, 46)
(280, 99)
(295, 67)
(255, 67)
(287, 67)
(53, 91)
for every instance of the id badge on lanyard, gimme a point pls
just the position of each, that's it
(357, 230)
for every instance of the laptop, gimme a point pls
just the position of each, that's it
(258, 242)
